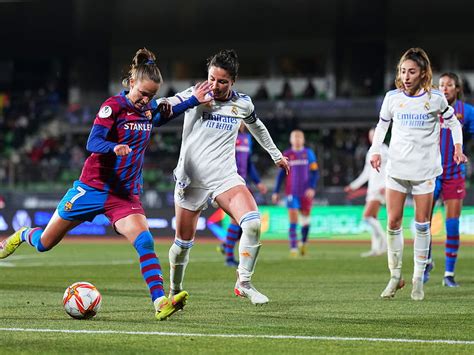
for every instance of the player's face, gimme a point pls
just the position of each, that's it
(411, 76)
(448, 88)
(297, 140)
(221, 82)
(142, 92)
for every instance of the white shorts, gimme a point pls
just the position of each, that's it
(197, 198)
(410, 186)
(375, 195)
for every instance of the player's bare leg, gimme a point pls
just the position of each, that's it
(42, 240)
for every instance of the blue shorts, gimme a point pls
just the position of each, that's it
(301, 203)
(83, 202)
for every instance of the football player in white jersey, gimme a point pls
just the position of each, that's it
(207, 170)
(414, 161)
(375, 197)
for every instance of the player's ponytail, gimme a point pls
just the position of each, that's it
(457, 82)
(420, 57)
(226, 59)
(143, 66)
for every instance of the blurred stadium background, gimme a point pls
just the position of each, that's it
(316, 65)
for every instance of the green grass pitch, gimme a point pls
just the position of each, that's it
(332, 293)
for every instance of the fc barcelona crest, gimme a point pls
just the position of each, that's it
(68, 206)
(148, 114)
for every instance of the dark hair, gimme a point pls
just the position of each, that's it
(420, 57)
(143, 67)
(226, 59)
(457, 83)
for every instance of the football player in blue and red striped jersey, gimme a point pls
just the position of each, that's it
(450, 185)
(111, 179)
(299, 190)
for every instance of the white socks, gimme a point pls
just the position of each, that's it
(421, 248)
(179, 258)
(377, 234)
(249, 245)
(395, 252)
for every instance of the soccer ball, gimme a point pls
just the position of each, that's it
(82, 300)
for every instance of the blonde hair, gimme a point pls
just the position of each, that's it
(420, 57)
(143, 67)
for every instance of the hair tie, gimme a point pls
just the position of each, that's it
(150, 61)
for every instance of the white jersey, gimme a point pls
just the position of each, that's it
(207, 156)
(375, 179)
(414, 146)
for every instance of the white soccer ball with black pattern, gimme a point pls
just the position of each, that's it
(82, 300)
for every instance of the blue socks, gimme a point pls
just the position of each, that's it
(149, 264)
(304, 233)
(32, 236)
(452, 245)
(233, 234)
(293, 236)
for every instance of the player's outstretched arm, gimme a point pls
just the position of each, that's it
(260, 133)
(167, 108)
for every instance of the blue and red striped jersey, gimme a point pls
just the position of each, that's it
(125, 125)
(243, 150)
(465, 114)
(302, 163)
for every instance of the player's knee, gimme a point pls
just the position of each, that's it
(422, 227)
(305, 220)
(250, 223)
(144, 241)
(179, 251)
(394, 223)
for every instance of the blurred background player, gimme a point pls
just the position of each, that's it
(300, 189)
(246, 169)
(207, 169)
(375, 197)
(414, 162)
(111, 179)
(450, 185)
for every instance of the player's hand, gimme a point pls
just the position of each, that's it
(283, 163)
(262, 188)
(347, 189)
(122, 149)
(376, 161)
(309, 193)
(203, 92)
(165, 108)
(275, 198)
(459, 156)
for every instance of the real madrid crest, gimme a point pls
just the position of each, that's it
(234, 110)
(427, 105)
